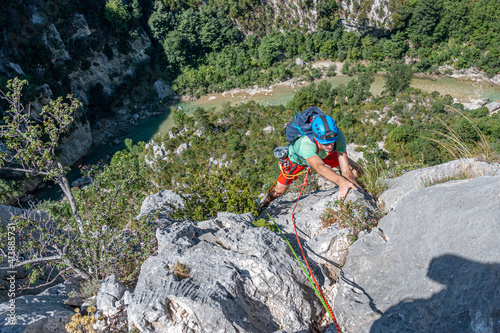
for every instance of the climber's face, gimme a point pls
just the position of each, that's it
(328, 148)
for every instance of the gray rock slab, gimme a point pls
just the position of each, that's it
(45, 312)
(242, 279)
(163, 89)
(435, 267)
(493, 107)
(160, 202)
(110, 291)
(412, 181)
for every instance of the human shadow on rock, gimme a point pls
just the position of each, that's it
(470, 302)
(245, 312)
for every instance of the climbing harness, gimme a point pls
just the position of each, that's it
(309, 276)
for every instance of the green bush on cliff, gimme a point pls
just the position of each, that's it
(208, 189)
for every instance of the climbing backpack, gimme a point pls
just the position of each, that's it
(302, 124)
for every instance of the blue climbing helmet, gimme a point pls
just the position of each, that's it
(325, 129)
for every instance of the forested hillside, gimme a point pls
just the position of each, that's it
(203, 47)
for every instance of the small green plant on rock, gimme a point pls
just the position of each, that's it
(350, 214)
(263, 223)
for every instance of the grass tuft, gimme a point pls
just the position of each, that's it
(374, 179)
(350, 214)
(453, 143)
(181, 271)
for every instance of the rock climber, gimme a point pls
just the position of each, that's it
(323, 150)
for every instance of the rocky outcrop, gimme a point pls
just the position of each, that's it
(161, 203)
(109, 71)
(418, 179)
(493, 107)
(237, 277)
(76, 144)
(45, 312)
(163, 89)
(433, 265)
(366, 15)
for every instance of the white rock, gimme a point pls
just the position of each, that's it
(163, 89)
(268, 129)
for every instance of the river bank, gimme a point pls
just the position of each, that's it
(471, 74)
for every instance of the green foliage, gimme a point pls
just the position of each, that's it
(425, 18)
(465, 130)
(207, 190)
(263, 223)
(332, 70)
(161, 21)
(271, 46)
(301, 100)
(350, 214)
(9, 188)
(117, 13)
(398, 78)
(192, 34)
(111, 241)
(34, 147)
(94, 232)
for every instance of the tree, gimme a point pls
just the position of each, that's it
(161, 21)
(32, 143)
(398, 78)
(271, 46)
(116, 12)
(423, 22)
(106, 238)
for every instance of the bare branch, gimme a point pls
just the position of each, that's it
(34, 261)
(31, 172)
(48, 282)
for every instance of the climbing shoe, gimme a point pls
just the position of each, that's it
(261, 208)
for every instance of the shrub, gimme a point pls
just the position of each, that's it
(208, 189)
(350, 214)
(331, 71)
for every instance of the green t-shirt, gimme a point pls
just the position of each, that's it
(304, 148)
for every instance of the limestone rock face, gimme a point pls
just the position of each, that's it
(241, 279)
(163, 89)
(358, 16)
(109, 72)
(434, 268)
(415, 180)
(76, 145)
(159, 202)
(45, 312)
(109, 293)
